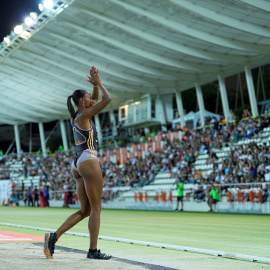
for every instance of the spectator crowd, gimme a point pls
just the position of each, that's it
(245, 163)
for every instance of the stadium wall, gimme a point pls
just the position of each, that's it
(221, 207)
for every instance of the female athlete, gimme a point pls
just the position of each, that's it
(85, 168)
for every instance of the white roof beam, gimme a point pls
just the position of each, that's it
(5, 110)
(222, 19)
(126, 88)
(19, 106)
(140, 53)
(8, 121)
(196, 34)
(107, 70)
(111, 72)
(71, 82)
(42, 81)
(108, 57)
(40, 107)
(42, 71)
(260, 4)
(183, 49)
(178, 76)
(137, 88)
(32, 92)
(48, 111)
(115, 87)
(166, 79)
(126, 94)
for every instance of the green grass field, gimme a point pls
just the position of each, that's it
(245, 234)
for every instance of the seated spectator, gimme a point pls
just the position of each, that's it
(199, 194)
(246, 113)
(220, 178)
(267, 176)
(105, 193)
(13, 201)
(135, 182)
(151, 178)
(197, 175)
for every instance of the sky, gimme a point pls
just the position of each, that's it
(13, 12)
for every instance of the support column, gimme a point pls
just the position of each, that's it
(251, 92)
(161, 114)
(99, 133)
(149, 107)
(112, 120)
(224, 98)
(200, 102)
(69, 134)
(17, 139)
(42, 138)
(64, 135)
(180, 108)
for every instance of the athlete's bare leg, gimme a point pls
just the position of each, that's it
(91, 172)
(85, 206)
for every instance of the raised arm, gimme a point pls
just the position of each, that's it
(95, 93)
(106, 98)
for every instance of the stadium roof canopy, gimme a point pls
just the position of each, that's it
(146, 46)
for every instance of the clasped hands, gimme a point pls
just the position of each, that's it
(94, 76)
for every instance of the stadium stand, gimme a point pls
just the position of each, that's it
(213, 157)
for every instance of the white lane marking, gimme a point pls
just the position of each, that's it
(216, 234)
(159, 245)
(188, 240)
(200, 225)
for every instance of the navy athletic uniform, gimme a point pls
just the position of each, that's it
(88, 148)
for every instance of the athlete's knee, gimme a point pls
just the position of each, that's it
(95, 209)
(84, 213)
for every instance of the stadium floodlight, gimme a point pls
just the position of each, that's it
(29, 21)
(25, 35)
(7, 40)
(48, 4)
(40, 6)
(23, 32)
(33, 15)
(18, 29)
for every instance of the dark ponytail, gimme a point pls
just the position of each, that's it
(75, 97)
(70, 107)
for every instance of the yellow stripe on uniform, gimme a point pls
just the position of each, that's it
(92, 139)
(88, 141)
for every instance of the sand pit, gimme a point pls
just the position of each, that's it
(26, 255)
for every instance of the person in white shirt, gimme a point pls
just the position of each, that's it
(267, 176)
(220, 178)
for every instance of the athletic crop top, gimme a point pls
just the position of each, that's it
(88, 137)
